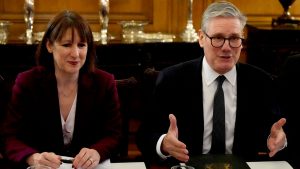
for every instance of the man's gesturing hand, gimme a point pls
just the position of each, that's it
(171, 145)
(277, 137)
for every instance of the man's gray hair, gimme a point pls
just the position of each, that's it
(222, 9)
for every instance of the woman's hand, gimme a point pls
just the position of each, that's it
(86, 159)
(48, 159)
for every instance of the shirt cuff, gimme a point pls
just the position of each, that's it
(285, 143)
(158, 146)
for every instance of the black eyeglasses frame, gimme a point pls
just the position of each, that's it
(224, 39)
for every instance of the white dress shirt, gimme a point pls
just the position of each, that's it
(68, 125)
(210, 84)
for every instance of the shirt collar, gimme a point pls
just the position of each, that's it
(210, 75)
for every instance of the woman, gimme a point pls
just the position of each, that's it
(65, 105)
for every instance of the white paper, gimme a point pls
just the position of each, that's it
(128, 165)
(104, 165)
(108, 165)
(269, 165)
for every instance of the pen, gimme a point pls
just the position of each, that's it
(67, 160)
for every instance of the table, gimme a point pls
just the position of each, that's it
(141, 165)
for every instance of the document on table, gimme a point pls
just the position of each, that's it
(128, 165)
(270, 165)
(104, 165)
(108, 165)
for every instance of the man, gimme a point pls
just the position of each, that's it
(184, 96)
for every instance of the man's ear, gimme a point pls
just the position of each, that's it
(201, 37)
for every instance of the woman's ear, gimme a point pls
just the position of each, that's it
(49, 46)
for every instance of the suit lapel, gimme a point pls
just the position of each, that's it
(84, 95)
(195, 119)
(52, 111)
(241, 105)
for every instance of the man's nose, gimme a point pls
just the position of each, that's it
(226, 44)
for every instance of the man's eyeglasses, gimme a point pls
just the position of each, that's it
(218, 41)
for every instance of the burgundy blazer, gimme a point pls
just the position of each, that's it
(33, 123)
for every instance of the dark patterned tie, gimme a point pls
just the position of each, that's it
(218, 133)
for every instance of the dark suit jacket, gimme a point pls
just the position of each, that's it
(3, 103)
(34, 123)
(289, 92)
(179, 91)
(2, 98)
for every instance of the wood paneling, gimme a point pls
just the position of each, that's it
(119, 10)
(259, 11)
(168, 16)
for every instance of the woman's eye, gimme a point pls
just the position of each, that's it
(66, 45)
(81, 44)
